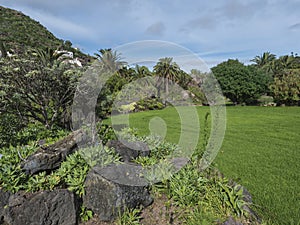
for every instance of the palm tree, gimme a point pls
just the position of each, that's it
(167, 71)
(111, 60)
(265, 59)
(142, 71)
(286, 61)
(146, 80)
(283, 63)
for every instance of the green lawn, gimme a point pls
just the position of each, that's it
(260, 151)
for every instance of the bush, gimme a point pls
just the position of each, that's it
(38, 88)
(37, 132)
(10, 124)
(149, 104)
(105, 132)
(286, 88)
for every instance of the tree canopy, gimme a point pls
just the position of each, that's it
(240, 83)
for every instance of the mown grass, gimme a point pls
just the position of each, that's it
(260, 151)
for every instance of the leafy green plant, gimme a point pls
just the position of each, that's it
(99, 156)
(13, 155)
(36, 132)
(233, 197)
(198, 215)
(38, 89)
(105, 132)
(54, 180)
(145, 161)
(36, 182)
(129, 217)
(190, 187)
(73, 172)
(158, 149)
(187, 186)
(162, 171)
(12, 178)
(85, 214)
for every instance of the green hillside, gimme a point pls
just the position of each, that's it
(19, 33)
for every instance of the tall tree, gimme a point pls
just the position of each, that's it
(283, 63)
(266, 62)
(142, 71)
(263, 60)
(111, 60)
(286, 87)
(168, 71)
(240, 83)
(37, 92)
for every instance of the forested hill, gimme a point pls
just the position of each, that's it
(19, 32)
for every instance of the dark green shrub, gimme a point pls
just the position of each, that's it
(36, 132)
(10, 124)
(105, 132)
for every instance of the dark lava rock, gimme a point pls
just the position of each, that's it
(50, 157)
(129, 150)
(58, 207)
(231, 221)
(109, 191)
(179, 162)
(4, 197)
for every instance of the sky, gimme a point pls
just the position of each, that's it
(214, 30)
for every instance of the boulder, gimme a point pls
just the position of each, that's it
(179, 162)
(231, 221)
(46, 207)
(4, 197)
(109, 190)
(129, 150)
(50, 157)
